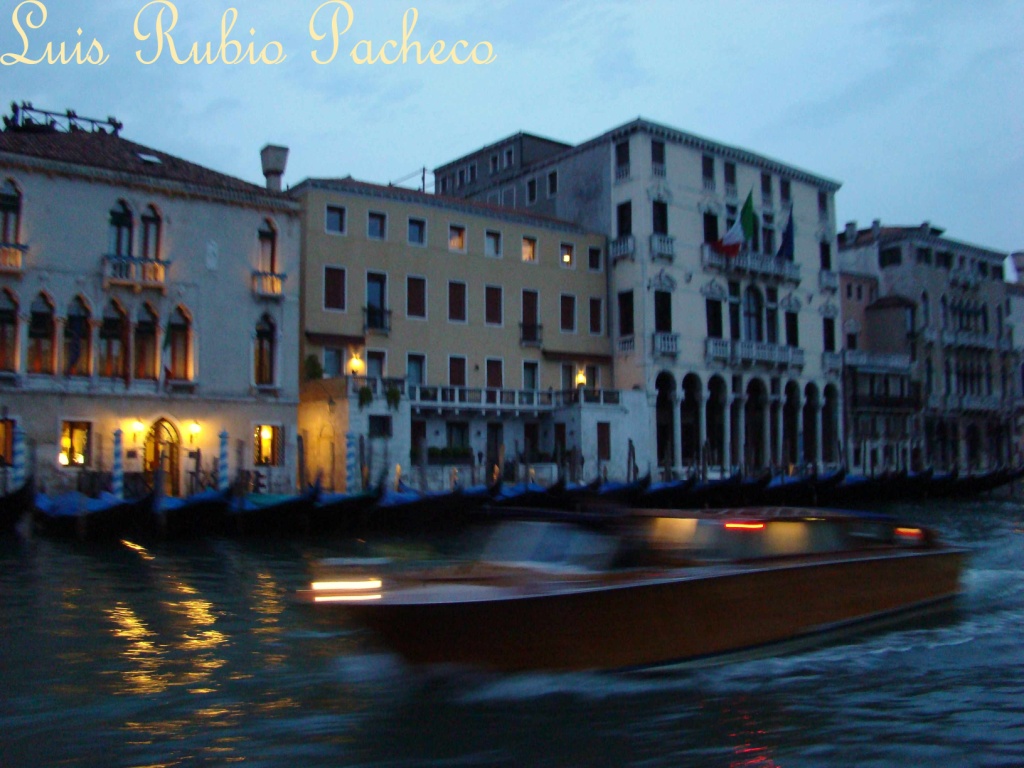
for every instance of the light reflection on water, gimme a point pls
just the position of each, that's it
(195, 654)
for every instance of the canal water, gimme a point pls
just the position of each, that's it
(196, 655)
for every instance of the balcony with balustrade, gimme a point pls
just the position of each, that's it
(877, 362)
(12, 258)
(964, 278)
(268, 286)
(831, 362)
(622, 248)
(663, 247)
(496, 401)
(134, 273)
(735, 352)
(753, 264)
(828, 280)
(665, 344)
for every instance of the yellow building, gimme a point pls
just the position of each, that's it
(448, 334)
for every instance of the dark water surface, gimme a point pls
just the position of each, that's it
(196, 655)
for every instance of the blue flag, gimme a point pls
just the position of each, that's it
(786, 247)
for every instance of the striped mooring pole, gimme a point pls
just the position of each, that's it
(352, 478)
(18, 457)
(222, 462)
(118, 480)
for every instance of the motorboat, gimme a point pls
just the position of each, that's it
(663, 588)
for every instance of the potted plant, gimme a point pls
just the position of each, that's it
(393, 395)
(313, 368)
(365, 396)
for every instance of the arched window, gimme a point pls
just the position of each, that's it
(77, 339)
(41, 332)
(753, 315)
(145, 344)
(151, 234)
(8, 332)
(10, 214)
(114, 342)
(925, 309)
(268, 248)
(177, 344)
(121, 230)
(266, 334)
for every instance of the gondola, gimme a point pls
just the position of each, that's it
(261, 514)
(408, 509)
(804, 491)
(670, 494)
(74, 515)
(14, 505)
(192, 516)
(334, 512)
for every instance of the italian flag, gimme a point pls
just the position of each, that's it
(740, 233)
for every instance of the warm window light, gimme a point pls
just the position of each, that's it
(194, 430)
(356, 365)
(581, 379)
(266, 432)
(137, 427)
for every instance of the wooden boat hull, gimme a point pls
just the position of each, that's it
(628, 623)
(97, 521)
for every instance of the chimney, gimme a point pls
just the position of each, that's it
(926, 228)
(1018, 263)
(851, 232)
(876, 229)
(274, 161)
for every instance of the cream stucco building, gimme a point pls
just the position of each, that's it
(143, 293)
(442, 335)
(738, 356)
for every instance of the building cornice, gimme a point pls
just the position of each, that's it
(254, 199)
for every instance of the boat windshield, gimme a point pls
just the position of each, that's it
(552, 545)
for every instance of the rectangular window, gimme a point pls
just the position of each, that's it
(890, 257)
(792, 330)
(531, 330)
(456, 238)
(822, 204)
(659, 217)
(707, 168)
(568, 313)
(531, 375)
(552, 183)
(662, 312)
(568, 255)
(766, 187)
(529, 249)
(376, 301)
(417, 231)
(457, 434)
(785, 190)
(267, 448)
(415, 369)
(462, 177)
(494, 164)
(416, 297)
(626, 313)
(456, 302)
(380, 426)
(596, 316)
(730, 175)
(492, 244)
(734, 310)
(334, 288)
(714, 318)
(377, 226)
(851, 341)
(375, 364)
(457, 371)
(495, 378)
(6, 442)
(509, 157)
(825, 255)
(710, 227)
(622, 154)
(624, 219)
(335, 220)
(333, 358)
(828, 327)
(771, 315)
(531, 191)
(472, 172)
(493, 305)
(594, 259)
(75, 444)
(604, 441)
(658, 153)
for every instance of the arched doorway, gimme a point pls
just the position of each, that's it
(972, 439)
(689, 413)
(163, 441)
(718, 399)
(791, 424)
(665, 408)
(812, 412)
(754, 418)
(830, 448)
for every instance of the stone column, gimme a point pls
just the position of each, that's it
(741, 426)
(766, 432)
(726, 434)
(818, 453)
(677, 435)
